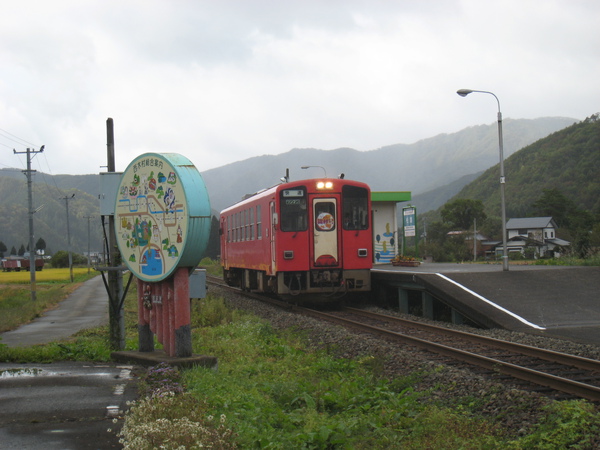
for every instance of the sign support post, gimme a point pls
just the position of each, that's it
(162, 226)
(409, 227)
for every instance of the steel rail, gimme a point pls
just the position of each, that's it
(523, 373)
(545, 354)
(557, 383)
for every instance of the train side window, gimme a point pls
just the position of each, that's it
(258, 222)
(294, 215)
(355, 206)
(251, 223)
(228, 228)
(248, 226)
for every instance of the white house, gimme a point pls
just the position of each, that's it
(538, 233)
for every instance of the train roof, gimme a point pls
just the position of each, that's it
(273, 189)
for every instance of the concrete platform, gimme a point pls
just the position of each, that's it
(558, 301)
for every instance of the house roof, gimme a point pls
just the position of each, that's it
(468, 235)
(559, 242)
(531, 222)
(395, 197)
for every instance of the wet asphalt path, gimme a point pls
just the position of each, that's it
(65, 405)
(87, 307)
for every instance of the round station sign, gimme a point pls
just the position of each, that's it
(162, 215)
(325, 222)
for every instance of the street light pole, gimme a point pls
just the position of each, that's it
(324, 171)
(464, 93)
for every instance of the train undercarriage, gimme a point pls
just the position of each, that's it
(328, 284)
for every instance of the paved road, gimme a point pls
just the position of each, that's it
(66, 405)
(86, 308)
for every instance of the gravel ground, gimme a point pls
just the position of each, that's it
(514, 409)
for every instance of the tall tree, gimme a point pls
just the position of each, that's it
(213, 249)
(553, 203)
(2, 249)
(40, 245)
(461, 213)
(21, 250)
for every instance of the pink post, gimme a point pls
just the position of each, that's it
(157, 309)
(164, 309)
(170, 307)
(182, 315)
(145, 338)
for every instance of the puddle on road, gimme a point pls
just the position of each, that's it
(7, 372)
(20, 373)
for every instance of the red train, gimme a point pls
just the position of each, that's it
(304, 238)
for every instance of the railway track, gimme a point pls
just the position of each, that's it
(546, 369)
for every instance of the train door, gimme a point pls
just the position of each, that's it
(273, 217)
(325, 236)
(224, 241)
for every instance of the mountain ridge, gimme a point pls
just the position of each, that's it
(445, 163)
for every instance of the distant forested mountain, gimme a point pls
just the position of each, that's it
(437, 167)
(567, 160)
(50, 221)
(420, 167)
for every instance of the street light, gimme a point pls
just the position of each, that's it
(308, 167)
(464, 93)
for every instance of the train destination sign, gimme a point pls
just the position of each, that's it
(162, 215)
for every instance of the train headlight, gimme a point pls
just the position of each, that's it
(324, 185)
(363, 252)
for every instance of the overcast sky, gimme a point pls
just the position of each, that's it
(220, 81)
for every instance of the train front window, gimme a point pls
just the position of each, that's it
(294, 215)
(355, 208)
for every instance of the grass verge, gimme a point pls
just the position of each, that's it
(272, 391)
(52, 286)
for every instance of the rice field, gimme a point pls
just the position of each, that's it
(43, 276)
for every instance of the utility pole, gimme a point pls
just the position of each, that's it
(28, 173)
(66, 199)
(475, 239)
(115, 276)
(88, 252)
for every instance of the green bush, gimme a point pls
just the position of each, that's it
(571, 424)
(61, 259)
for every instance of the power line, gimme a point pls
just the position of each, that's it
(17, 137)
(20, 141)
(53, 178)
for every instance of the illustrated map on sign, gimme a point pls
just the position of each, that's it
(151, 217)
